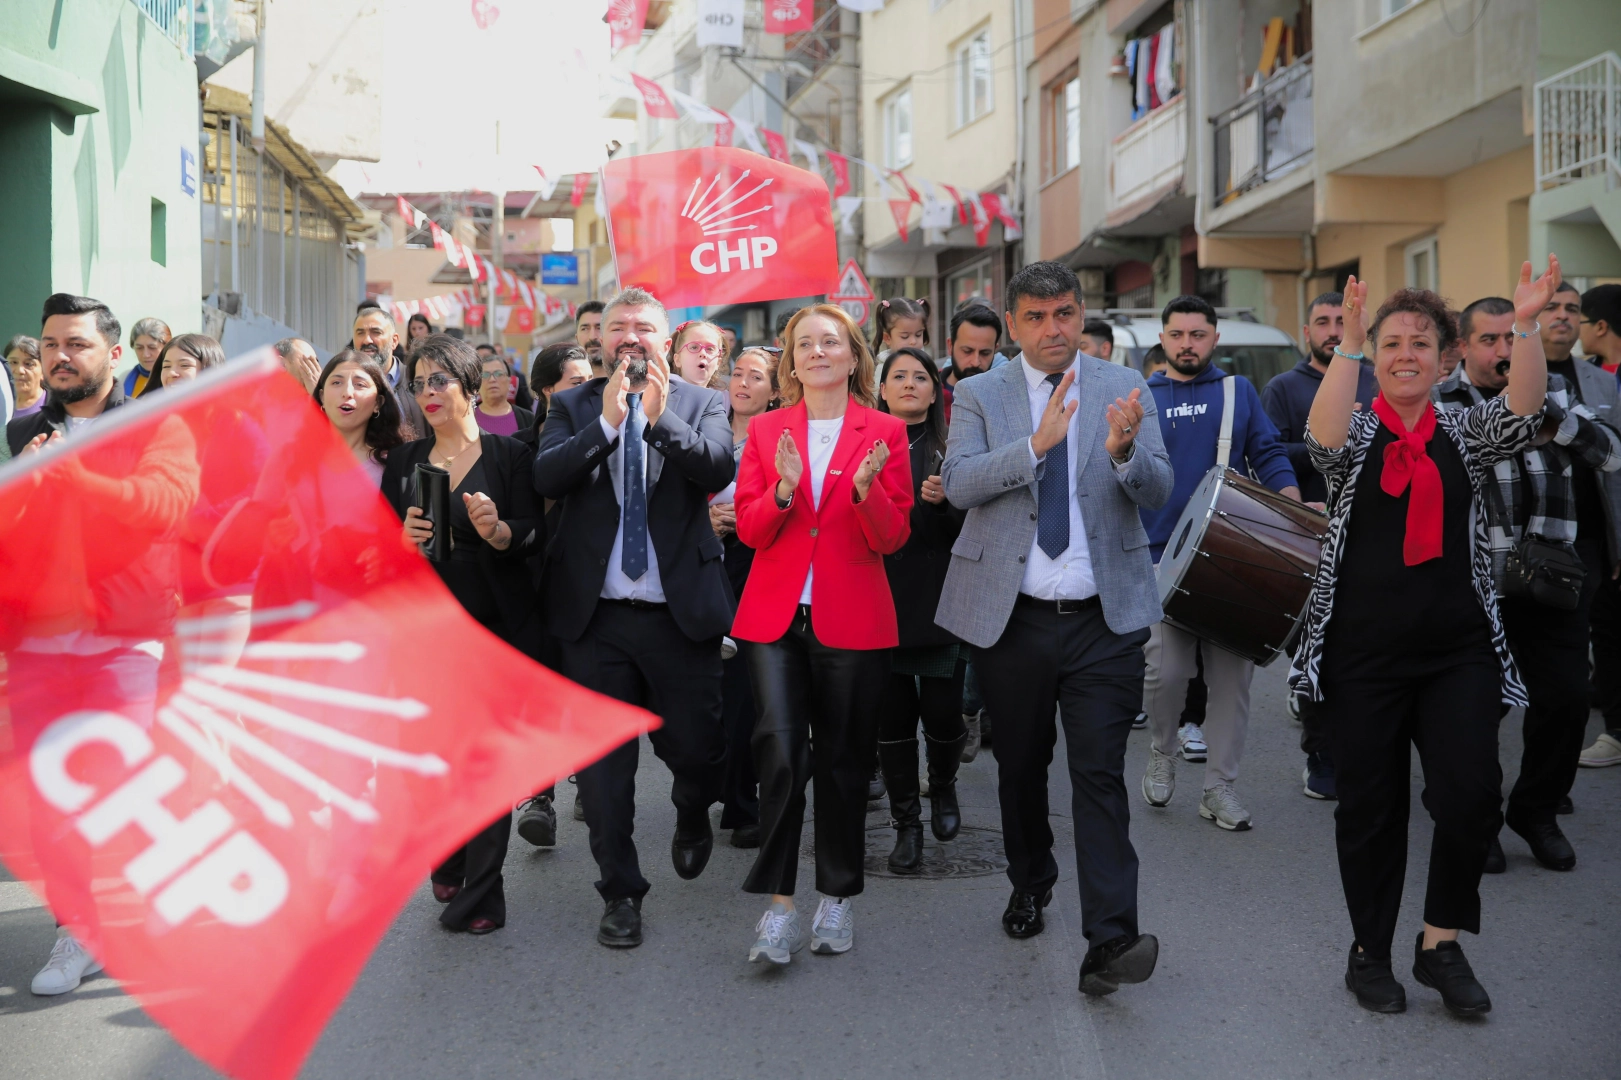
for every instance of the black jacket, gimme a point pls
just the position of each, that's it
(917, 572)
(691, 458)
(507, 464)
(410, 411)
(53, 417)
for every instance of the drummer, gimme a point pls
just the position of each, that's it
(1194, 397)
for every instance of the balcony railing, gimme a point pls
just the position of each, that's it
(1149, 154)
(1266, 135)
(1578, 125)
(173, 17)
(807, 53)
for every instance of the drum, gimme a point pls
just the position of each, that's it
(1239, 566)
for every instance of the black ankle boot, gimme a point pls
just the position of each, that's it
(945, 758)
(899, 760)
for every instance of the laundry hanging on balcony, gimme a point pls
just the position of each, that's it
(1151, 63)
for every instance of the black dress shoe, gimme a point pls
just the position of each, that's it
(1374, 984)
(621, 925)
(1496, 861)
(1023, 918)
(746, 836)
(907, 857)
(1566, 806)
(1129, 958)
(1548, 845)
(691, 846)
(1445, 970)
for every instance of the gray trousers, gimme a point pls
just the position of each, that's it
(1171, 662)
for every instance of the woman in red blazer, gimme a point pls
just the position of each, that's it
(824, 492)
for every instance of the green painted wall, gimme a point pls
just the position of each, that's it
(1572, 31)
(96, 105)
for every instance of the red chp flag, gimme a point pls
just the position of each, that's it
(788, 16)
(654, 99)
(625, 19)
(235, 731)
(718, 225)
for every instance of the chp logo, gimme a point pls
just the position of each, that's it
(223, 713)
(721, 214)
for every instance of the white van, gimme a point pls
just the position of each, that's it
(1245, 345)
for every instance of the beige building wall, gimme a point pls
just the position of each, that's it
(1485, 236)
(909, 43)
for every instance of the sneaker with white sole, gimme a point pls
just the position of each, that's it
(778, 935)
(1220, 804)
(70, 962)
(1193, 745)
(1139, 722)
(833, 930)
(1159, 782)
(1605, 751)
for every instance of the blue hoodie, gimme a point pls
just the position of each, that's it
(1190, 422)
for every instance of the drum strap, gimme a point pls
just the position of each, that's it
(1224, 443)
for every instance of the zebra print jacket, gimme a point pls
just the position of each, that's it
(1484, 435)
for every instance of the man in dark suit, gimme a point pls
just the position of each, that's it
(634, 587)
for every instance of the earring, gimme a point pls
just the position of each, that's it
(377, 412)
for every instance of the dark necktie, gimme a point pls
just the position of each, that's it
(633, 559)
(1052, 495)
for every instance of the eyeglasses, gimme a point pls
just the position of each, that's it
(491, 376)
(700, 348)
(772, 349)
(438, 382)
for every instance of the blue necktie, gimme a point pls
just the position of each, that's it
(1052, 496)
(633, 559)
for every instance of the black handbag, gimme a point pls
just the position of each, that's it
(1548, 572)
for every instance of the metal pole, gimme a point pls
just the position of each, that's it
(498, 228)
(219, 208)
(235, 263)
(298, 261)
(281, 255)
(258, 117)
(259, 232)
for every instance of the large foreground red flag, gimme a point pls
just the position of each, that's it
(719, 225)
(237, 727)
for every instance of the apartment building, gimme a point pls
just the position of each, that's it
(941, 86)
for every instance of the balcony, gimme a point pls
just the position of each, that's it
(1267, 135)
(1148, 156)
(1578, 123)
(809, 52)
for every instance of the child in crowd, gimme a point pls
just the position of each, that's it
(902, 324)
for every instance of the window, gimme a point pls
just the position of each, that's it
(1063, 124)
(969, 283)
(974, 78)
(1423, 265)
(898, 128)
(1390, 7)
(160, 233)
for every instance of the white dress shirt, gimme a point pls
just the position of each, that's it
(1068, 577)
(616, 586)
(820, 439)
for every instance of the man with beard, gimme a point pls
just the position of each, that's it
(376, 336)
(1287, 401)
(634, 588)
(78, 350)
(1097, 339)
(1601, 343)
(1197, 400)
(588, 334)
(1537, 496)
(970, 346)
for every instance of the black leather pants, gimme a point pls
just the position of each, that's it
(801, 686)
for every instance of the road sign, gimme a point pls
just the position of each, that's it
(856, 309)
(852, 285)
(560, 269)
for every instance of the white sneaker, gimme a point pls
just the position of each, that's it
(1606, 750)
(1139, 722)
(778, 935)
(1193, 744)
(728, 648)
(67, 967)
(833, 930)
(1159, 782)
(1220, 804)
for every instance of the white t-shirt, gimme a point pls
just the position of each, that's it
(820, 440)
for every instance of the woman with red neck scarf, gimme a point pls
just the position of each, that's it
(1403, 640)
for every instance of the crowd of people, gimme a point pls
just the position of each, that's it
(799, 555)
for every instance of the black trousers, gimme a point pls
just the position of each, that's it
(1094, 678)
(476, 867)
(740, 789)
(1449, 706)
(818, 722)
(1550, 649)
(638, 655)
(938, 702)
(1605, 627)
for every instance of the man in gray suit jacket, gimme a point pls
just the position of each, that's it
(1052, 584)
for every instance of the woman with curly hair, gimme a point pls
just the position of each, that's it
(1403, 639)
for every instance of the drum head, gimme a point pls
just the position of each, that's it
(1189, 532)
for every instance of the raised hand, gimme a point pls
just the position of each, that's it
(1356, 316)
(418, 529)
(1125, 420)
(486, 520)
(932, 491)
(871, 465)
(1530, 297)
(1054, 418)
(656, 394)
(613, 398)
(790, 466)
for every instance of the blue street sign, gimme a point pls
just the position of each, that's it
(559, 269)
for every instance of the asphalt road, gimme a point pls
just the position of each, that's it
(1252, 926)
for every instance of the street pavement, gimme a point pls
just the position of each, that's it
(1252, 927)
